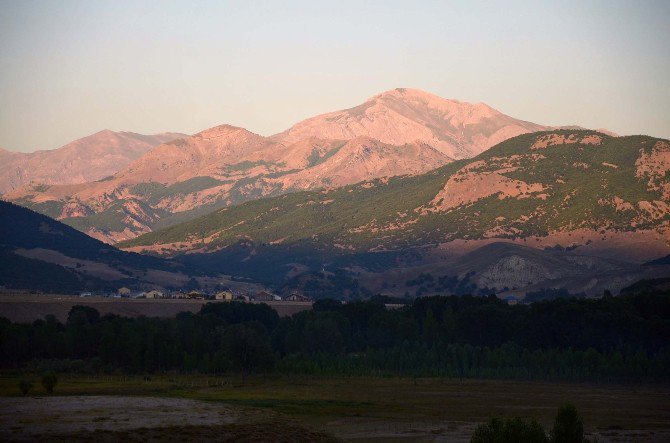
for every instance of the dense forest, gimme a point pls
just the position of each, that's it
(614, 338)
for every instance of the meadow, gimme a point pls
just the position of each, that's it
(358, 408)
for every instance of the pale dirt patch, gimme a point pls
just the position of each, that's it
(545, 141)
(500, 231)
(371, 226)
(654, 210)
(193, 245)
(279, 241)
(344, 247)
(469, 187)
(655, 166)
(113, 237)
(22, 417)
(618, 203)
(74, 209)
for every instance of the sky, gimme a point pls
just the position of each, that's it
(72, 68)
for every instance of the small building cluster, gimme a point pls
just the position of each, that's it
(222, 295)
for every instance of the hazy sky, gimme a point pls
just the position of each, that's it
(71, 68)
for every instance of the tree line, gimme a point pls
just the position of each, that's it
(622, 337)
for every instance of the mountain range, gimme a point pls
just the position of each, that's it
(404, 194)
(398, 132)
(90, 158)
(577, 209)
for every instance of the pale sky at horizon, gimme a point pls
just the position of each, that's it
(71, 68)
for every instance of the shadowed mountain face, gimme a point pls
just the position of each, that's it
(399, 132)
(90, 158)
(576, 193)
(39, 253)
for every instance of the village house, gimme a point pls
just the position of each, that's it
(224, 295)
(154, 294)
(195, 295)
(265, 296)
(296, 296)
(511, 300)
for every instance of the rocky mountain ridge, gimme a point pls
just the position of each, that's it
(399, 132)
(88, 159)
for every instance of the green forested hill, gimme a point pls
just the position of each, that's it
(530, 185)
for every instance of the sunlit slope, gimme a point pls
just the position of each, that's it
(532, 185)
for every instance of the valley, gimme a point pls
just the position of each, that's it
(284, 222)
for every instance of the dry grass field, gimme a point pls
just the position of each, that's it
(125, 418)
(350, 409)
(21, 308)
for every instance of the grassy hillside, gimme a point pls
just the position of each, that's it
(39, 253)
(590, 180)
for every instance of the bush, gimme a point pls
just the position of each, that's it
(49, 381)
(509, 430)
(568, 425)
(25, 386)
(568, 428)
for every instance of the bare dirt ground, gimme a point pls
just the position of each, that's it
(59, 415)
(28, 308)
(304, 408)
(110, 418)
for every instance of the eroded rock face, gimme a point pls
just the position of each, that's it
(514, 271)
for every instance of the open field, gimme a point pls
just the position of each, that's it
(116, 418)
(28, 308)
(356, 409)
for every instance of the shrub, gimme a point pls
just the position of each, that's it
(509, 430)
(568, 425)
(25, 386)
(49, 381)
(568, 428)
